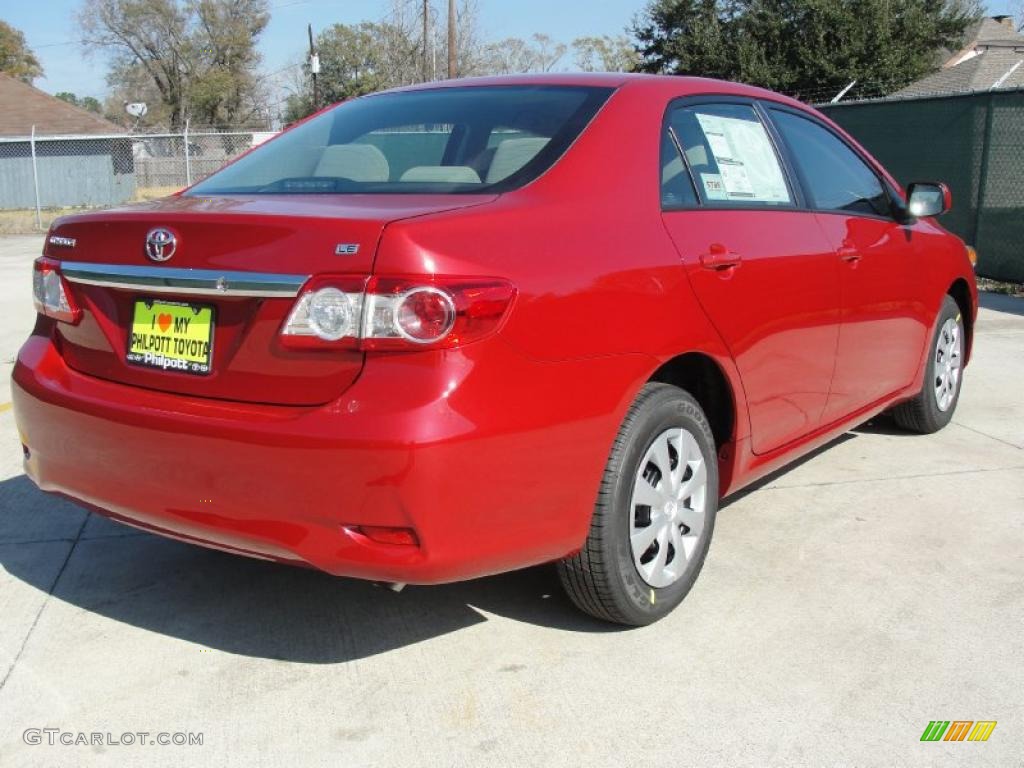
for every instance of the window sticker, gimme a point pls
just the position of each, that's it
(714, 189)
(747, 165)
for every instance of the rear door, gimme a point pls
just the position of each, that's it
(760, 266)
(881, 336)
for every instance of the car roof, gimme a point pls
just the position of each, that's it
(670, 85)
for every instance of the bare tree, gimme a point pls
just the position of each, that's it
(365, 57)
(514, 55)
(406, 22)
(605, 54)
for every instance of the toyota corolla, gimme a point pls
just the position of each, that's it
(457, 329)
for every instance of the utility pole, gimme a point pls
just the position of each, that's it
(453, 67)
(426, 49)
(314, 69)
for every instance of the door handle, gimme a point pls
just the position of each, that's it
(849, 255)
(719, 257)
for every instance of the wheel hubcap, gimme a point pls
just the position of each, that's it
(667, 507)
(948, 354)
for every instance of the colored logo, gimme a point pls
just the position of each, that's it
(958, 730)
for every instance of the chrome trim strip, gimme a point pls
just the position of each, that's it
(198, 282)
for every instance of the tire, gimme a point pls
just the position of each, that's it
(605, 578)
(932, 408)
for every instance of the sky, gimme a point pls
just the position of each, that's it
(49, 27)
(50, 30)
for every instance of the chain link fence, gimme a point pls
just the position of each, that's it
(975, 143)
(42, 177)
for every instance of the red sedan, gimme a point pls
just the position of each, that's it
(462, 328)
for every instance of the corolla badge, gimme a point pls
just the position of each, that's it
(160, 244)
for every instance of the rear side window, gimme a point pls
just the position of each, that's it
(834, 177)
(443, 140)
(730, 155)
(676, 188)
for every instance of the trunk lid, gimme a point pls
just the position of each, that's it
(257, 243)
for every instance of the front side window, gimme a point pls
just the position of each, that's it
(834, 177)
(730, 155)
(444, 140)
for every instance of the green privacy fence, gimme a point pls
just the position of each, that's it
(975, 143)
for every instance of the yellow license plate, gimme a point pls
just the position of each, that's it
(172, 336)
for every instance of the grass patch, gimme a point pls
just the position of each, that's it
(997, 286)
(23, 221)
(153, 193)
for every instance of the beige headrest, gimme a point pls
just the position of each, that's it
(511, 155)
(448, 174)
(359, 162)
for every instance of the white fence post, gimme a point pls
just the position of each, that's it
(188, 160)
(35, 179)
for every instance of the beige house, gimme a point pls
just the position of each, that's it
(993, 58)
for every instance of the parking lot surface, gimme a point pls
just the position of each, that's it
(845, 603)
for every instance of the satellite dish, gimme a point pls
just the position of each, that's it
(136, 109)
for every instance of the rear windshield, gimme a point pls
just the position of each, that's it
(447, 140)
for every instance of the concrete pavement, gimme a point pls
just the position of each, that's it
(874, 587)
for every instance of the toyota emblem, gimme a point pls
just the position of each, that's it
(160, 244)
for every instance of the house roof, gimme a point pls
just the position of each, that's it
(995, 28)
(22, 106)
(994, 68)
(994, 58)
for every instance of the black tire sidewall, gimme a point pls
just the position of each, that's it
(667, 408)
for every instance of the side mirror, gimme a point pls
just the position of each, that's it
(926, 199)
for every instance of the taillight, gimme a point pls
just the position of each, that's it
(50, 293)
(421, 315)
(382, 313)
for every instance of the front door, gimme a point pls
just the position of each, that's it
(878, 263)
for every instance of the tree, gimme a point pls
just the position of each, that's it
(356, 59)
(361, 58)
(406, 18)
(808, 48)
(605, 54)
(16, 58)
(225, 89)
(130, 82)
(682, 37)
(198, 58)
(86, 102)
(513, 55)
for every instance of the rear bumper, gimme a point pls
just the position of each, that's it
(459, 446)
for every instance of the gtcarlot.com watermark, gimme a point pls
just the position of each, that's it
(60, 737)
